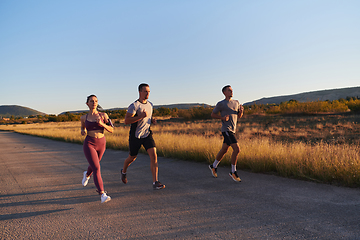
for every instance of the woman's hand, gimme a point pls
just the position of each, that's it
(100, 121)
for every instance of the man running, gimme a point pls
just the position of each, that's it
(230, 110)
(139, 115)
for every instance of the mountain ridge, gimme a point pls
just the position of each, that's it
(175, 105)
(18, 111)
(7, 111)
(321, 95)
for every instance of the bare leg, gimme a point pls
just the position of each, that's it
(153, 163)
(222, 152)
(235, 153)
(127, 162)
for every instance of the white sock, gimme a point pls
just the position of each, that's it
(233, 168)
(216, 163)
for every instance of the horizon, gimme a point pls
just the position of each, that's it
(55, 54)
(253, 101)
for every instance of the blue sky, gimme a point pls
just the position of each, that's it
(55, 53)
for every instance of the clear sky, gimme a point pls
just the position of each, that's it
(55, 53)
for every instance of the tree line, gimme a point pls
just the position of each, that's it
(350, 104)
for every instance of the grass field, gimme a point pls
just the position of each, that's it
(322, 148)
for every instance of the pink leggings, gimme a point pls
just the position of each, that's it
(94, 149)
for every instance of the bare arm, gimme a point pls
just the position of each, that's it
(83, 129)
(108, 128)
(131, 118)
(218, 116)
(241, 111)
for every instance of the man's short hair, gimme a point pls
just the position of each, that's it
(224, 88)
(143, 85)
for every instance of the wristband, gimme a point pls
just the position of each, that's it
(109, 123)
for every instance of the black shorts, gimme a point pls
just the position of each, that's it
(135, 144)
(229, 138)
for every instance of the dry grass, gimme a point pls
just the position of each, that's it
(319, 148)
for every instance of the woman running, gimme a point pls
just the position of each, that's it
(93, 125)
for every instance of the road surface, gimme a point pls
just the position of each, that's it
(41, 197)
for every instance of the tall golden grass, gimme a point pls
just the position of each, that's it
(201, 141)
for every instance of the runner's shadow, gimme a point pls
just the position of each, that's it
(58, 201)
(33, 193)
(29, 214)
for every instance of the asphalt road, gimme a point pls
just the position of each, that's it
(42, 198)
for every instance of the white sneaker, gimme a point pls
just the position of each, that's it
(85, 179)
(105, 198)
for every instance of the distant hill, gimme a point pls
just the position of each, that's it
(323, 95)
(183, 105)
(17, 111)
(178, 106)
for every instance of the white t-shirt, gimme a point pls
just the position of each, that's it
(141, 128)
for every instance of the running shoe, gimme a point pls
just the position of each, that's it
(105, 198)
(123, 177)
(213, 170)
(85, 179)
(157, 185)
(234, 176)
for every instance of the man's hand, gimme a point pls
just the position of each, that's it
(241, 111)
(144, 114)
(241, 108)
